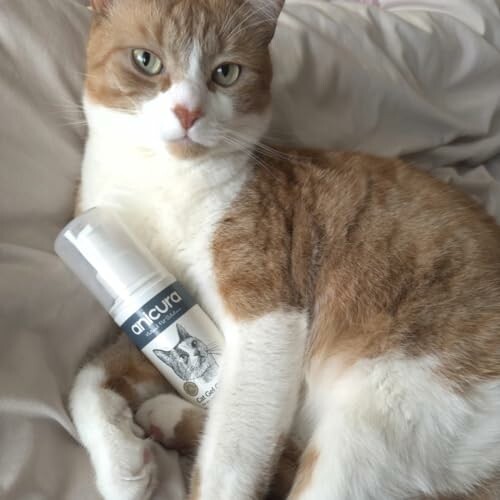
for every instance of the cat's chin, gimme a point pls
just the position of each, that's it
(186, 149)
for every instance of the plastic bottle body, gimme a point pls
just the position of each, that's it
(146, 301)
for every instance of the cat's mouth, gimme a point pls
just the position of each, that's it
(185, 148)
(183, 140)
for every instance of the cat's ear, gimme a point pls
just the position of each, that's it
(100, 6)
(269, 10)
(164, 356)
(183, 333)
(271, 7)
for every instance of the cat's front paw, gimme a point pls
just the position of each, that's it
(172, 421)
(125, 463)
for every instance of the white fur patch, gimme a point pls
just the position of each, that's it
(391, 428)
(173, 206)
(255, 405)
(126, 465)
(123, 461)
(194, 71)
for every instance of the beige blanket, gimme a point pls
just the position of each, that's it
(399, 80)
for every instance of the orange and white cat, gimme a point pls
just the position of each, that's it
(359, 298)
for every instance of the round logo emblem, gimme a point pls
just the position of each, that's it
(191, 389)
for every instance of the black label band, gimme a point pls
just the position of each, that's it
(158, 314)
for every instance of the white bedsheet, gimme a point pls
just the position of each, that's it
(417, 78)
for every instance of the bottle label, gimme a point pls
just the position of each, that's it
(157, 314)
(180, 340)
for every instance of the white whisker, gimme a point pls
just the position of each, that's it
(263, 149)
(229, 19)
(250, 26)
(263, 9)
(249, 150)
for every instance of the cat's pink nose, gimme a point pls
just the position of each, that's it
(187, 117)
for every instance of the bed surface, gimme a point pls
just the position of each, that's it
(328, 92)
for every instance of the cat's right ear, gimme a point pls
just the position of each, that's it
(100, 6)
(268, 11)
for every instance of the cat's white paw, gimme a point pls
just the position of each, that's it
(171, 420)
(125, 463)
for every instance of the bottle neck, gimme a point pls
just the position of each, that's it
(139, 295)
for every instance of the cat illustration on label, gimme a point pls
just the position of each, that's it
(191, 358)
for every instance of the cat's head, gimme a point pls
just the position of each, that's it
(189, 359)
(188, 76)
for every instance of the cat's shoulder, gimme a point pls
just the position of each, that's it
(335, 171)
(281, 171)
(312, 163)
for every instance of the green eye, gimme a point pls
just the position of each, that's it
(226, 74)
(147, 62)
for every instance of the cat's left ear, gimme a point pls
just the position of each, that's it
(270, 11)
(164, 356)
(183, 334)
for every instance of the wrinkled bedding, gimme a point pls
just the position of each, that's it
(413, 78)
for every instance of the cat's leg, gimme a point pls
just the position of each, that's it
(251, 415)
(395, 428)
(102, 401)
(178, 425)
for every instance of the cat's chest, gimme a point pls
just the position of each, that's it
(172, 213)
(180, 236)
